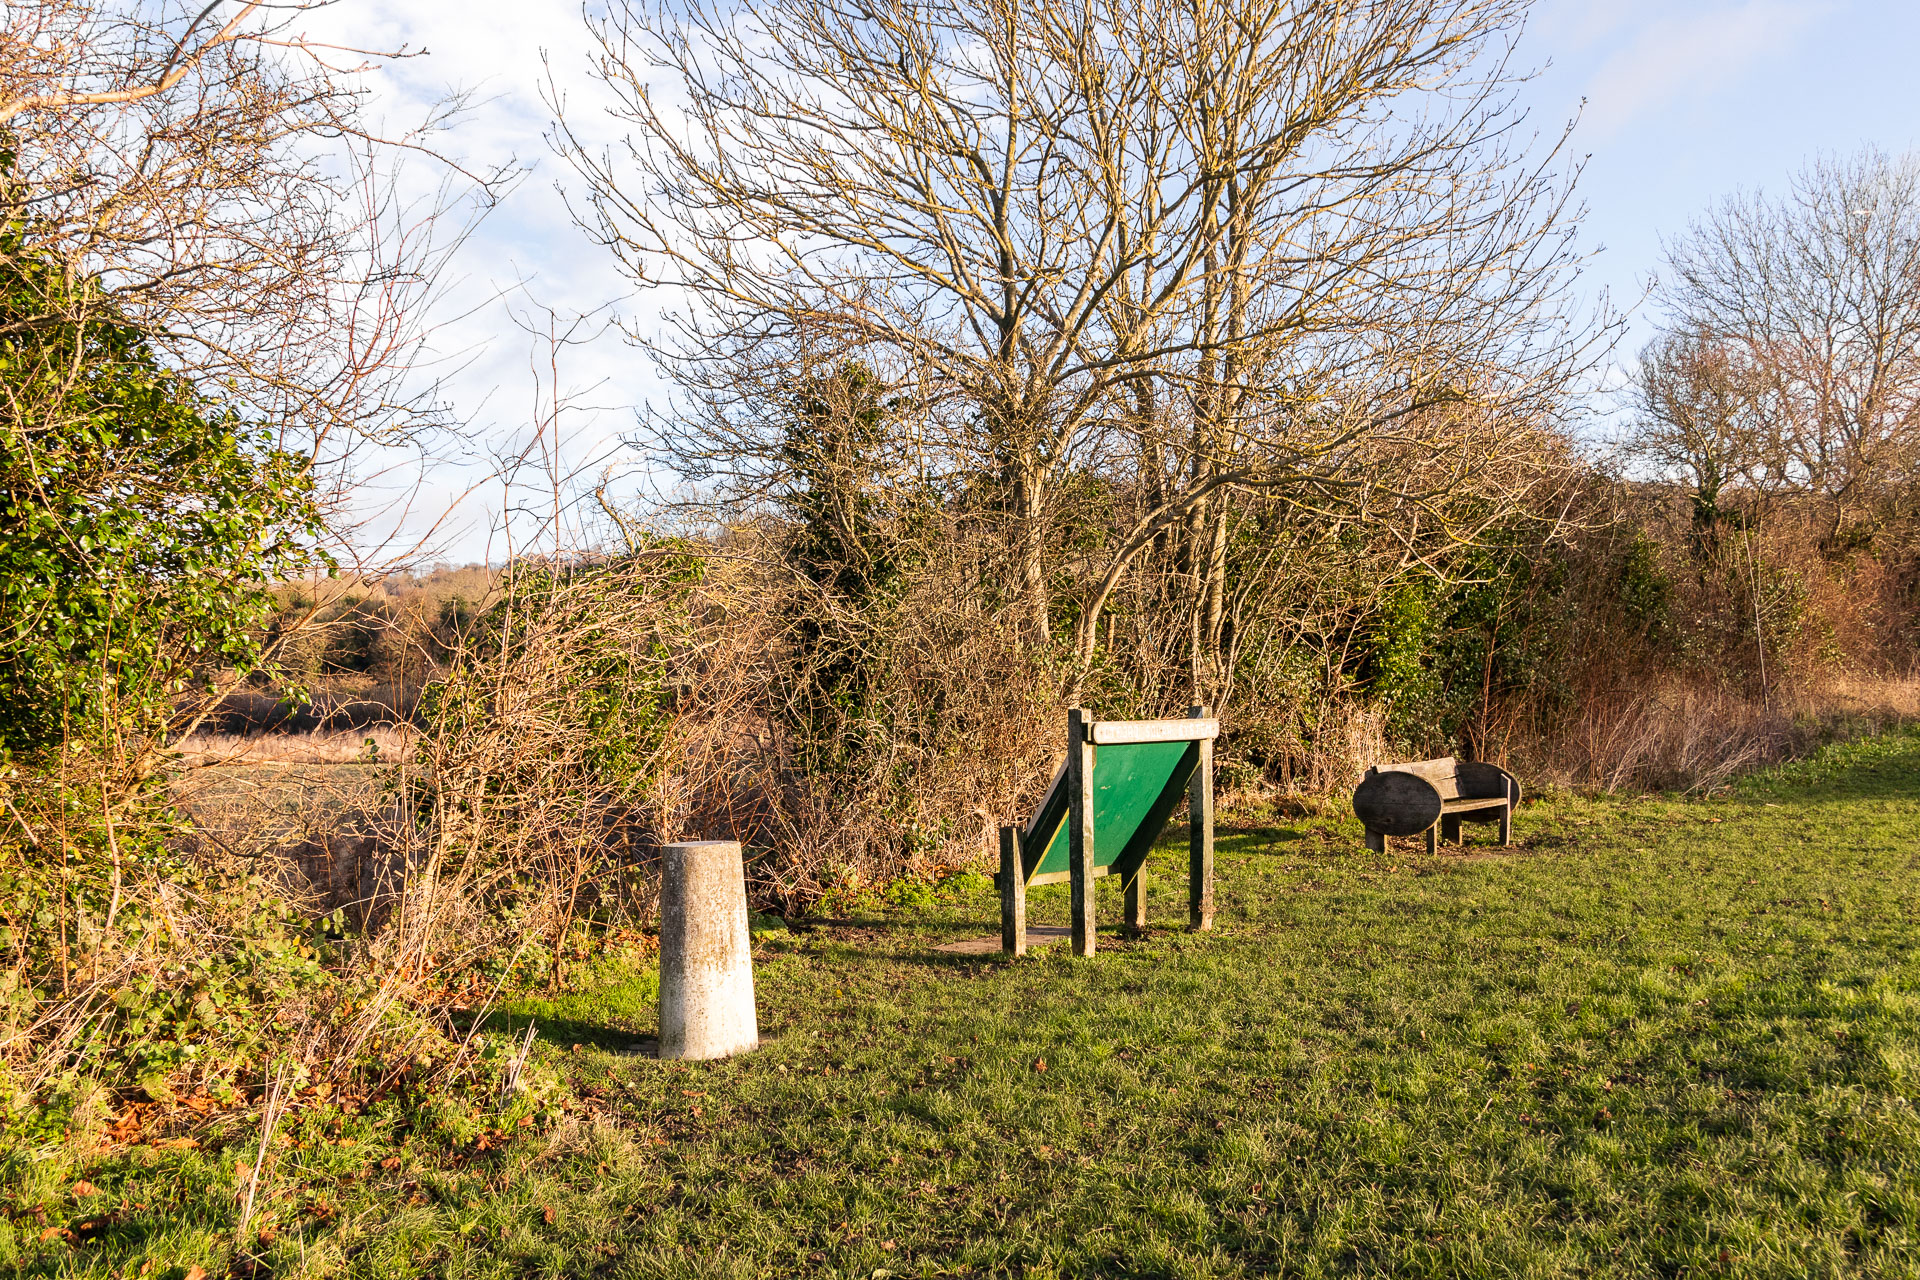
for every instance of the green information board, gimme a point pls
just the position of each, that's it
(1136, 786)
(1108, 804)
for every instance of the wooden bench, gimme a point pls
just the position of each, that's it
(1434, 796)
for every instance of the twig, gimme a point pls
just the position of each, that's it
(480, 1016)
(25, 830)
(269, 1117)
(519, 1063)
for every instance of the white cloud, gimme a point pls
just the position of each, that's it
(1688, 54)
(499, 55)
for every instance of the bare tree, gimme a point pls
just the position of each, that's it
(218, 278)
(60, 62)
(1694, 422)
(215, 178)
(1818, 294)
(1201, 247)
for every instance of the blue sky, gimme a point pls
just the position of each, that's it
(1680, 102)
(1687, 101)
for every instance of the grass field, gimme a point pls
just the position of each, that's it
(1658, 1036)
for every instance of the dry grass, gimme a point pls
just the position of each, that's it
(313, 802)
(380, 743)
(1688, 737)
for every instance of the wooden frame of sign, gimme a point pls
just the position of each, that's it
(1111, 807)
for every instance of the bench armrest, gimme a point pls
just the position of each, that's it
(1396, 804)
(1481, 780)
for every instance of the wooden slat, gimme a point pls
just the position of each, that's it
(1431, 770)
(1046, 819)
(1114, 732)
(1013, 894)
(1472, 802)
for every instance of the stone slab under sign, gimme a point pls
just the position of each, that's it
(1038, 935)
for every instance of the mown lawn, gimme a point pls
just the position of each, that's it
(1658, 1036)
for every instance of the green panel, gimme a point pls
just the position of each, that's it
(1132, 782)
(1149, 830)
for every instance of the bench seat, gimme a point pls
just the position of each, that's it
(1433, 797)
(1483, 802)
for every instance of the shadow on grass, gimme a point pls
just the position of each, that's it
(877, 924)
(615, 1008)
(623, 1038)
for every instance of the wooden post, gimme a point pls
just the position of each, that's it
(1376, 842)
(1433, 843)
(1137, 901)
(1013, 894)
(1506, 814)
(1450, 829)
(1200, 833)
(1080, 828)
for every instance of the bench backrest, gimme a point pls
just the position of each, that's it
(1454, 779)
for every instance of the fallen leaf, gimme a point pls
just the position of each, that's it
(84, 1188)
(390, 1163)
(1039, 1064)
(546, 1214)
(196, 1273)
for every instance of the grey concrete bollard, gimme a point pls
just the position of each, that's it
(706, 958)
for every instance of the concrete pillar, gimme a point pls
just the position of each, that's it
(706, 961)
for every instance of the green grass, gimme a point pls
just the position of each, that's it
(1657, 1037)
(613, 1004)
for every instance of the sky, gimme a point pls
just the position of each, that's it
(1678, 103)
